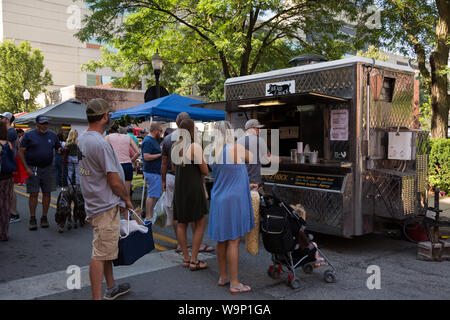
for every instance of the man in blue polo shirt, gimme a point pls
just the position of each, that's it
(151, 153)
(36, 153)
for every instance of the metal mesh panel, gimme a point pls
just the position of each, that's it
(324, 208)
(422, 172)
(408, 194)
(394, 193)
(385, 114)
(335, 82)
(422, 142)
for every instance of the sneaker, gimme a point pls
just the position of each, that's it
(33, 224)
(14, 218)
(118, 291)
(44, 222)
(147, 222)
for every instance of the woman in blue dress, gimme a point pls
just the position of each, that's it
(231, 213)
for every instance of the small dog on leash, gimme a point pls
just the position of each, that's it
(79, 214)
(63, 210)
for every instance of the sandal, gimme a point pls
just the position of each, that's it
(186, 263)
(223, 283)
(241, 289)
(205, 248)
(178, 249)
(197, 265)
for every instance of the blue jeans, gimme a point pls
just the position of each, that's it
(60, 169)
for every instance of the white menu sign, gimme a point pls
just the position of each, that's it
(339, 125)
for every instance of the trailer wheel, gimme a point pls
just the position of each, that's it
(329, 276)
(308, 268)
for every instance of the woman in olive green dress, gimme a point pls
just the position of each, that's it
(189, 201)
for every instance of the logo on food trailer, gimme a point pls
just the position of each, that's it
(280, 88)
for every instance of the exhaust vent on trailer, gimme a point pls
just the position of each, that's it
(309, 58)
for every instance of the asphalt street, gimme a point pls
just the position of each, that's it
(34, 265)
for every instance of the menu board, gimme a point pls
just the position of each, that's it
(307, 180)
(339, 125)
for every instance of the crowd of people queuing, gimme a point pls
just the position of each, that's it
(103, 166)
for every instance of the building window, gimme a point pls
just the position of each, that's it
(94, 80)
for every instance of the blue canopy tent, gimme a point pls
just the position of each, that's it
(169, 107)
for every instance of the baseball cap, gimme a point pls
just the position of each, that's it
(41, 119)
(253, 123)
(97, 106)
(7, 115)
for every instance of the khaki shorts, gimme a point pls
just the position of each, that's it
(106, 227)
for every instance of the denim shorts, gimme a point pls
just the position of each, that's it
(154, 184)
(44, 178)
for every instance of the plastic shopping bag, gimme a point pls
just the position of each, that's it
(159, 212)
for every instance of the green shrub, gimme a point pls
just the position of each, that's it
(439, 164)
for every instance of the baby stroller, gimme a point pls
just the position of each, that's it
(283, 235)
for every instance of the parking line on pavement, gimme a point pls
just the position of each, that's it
(167, 239)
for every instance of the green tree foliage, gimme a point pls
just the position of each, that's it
(21, 67)
(421, 28)
(439, 164)
(372, 52)
(204, 42)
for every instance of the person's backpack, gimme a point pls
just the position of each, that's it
(8, 161)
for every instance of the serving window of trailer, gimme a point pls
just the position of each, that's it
(321, 123)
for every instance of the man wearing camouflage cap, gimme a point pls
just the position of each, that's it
(102, 182)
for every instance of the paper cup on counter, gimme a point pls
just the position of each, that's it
(300, 147)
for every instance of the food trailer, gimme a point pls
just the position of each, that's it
(367, 160)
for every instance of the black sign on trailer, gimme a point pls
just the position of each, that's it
(331, 183)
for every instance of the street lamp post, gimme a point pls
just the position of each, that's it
(157, 65)
(26, 97)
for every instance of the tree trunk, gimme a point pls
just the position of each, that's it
(438, 60)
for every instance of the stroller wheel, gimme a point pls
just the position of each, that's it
(293, 282)
(273, 272)
(308, 268)
(329, 276)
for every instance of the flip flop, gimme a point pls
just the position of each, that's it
(241, 289)
(223, 283)
(177, 250)
(197, 265)
(206, 248)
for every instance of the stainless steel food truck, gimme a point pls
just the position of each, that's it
(367, 160)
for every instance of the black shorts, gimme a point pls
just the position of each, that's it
(128, 170)
(42, 179)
